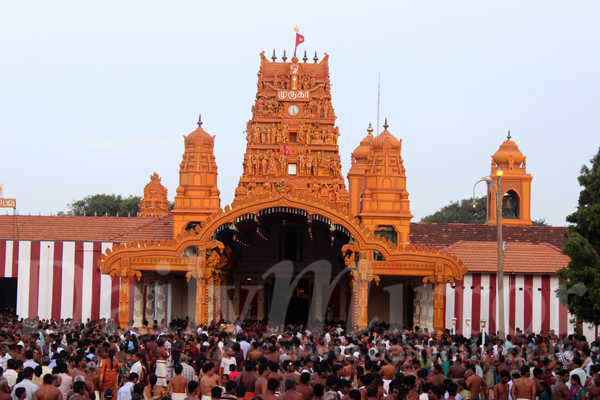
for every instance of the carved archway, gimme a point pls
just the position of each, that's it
(402, 259)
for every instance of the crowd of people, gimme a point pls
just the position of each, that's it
(75, 360)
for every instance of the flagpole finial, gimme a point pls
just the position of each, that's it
(316, 58)
(274, 56)
(305, 58)
(296, 29)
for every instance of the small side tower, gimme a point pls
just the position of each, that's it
(516, 186)
(385, 204)
(197, 195)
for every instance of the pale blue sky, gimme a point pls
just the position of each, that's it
(96, 95)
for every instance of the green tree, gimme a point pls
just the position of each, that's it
(580, 286)
(540, 222)
(105, 204)
(460, 212)
(579, 289)
(587, 216)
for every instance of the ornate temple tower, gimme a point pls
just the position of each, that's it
(154, 203)
(384, 206)
(292, 137)
(197, 195)
(516, 186)
(358, 170)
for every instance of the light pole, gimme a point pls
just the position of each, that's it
(468, 321)
(498, 187)
(454, 325)
(483, 322)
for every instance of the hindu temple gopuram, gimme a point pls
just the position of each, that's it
(341, 247)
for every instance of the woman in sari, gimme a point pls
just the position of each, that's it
(109, 371)
(153, 391)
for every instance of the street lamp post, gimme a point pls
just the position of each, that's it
(454, 325)
(498, 187)
(483, 322)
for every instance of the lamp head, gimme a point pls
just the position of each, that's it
(454, 320)
(488, 179)
(499, 172)
(468, 321)
(483, 322)
(474, 204)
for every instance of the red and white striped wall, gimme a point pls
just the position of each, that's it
(530, 304)
(59, 279)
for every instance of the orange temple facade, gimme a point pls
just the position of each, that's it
(292, 206)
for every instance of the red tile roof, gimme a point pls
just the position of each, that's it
(441, 236)
(93, 229)
(519, 258)
(157, 229)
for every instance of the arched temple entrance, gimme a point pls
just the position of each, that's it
(251, 259)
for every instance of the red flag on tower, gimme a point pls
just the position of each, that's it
(286, 151)
(299, 39)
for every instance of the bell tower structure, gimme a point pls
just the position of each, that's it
(378, 180)
(292, 138)
(515, 186)
(197, 195)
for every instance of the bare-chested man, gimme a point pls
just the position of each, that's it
(303, 388)
(177, 388)
(254, 353)
(501, 389)
(457, 371)
(78, 391)
(208, 381)
(162, 355)
(474, 382)
(260, 385)
(272, 386)
(560, 390)
(290, 390)
(248, 378)
(193, 390)
(524, 387)
(594, 390)
(48, 391)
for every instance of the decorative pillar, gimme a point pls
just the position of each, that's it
(438, 280)
(438, 308)
(236, 299)
(161, 300)
(365, 276)
(260, 312)
(343, 303)
(124, 273)
(138, 305)
(149, 312)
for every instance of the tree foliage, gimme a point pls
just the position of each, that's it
(105, 204)
(587, 216)
(580, 288)
(460, 212)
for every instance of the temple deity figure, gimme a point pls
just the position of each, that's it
(302, 162)
(309, 134)
(268, 134)
(265, 163)
(309, 163)
(251, 187)
(282, 162)
(266, 187)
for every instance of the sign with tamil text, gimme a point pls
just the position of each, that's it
(297, 95)
(8, 203)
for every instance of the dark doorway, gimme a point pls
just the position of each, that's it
(8, 295)
(410, 309)
(299, 306)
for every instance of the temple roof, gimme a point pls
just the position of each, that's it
(519, 258)
(92, 229)
(122, 229)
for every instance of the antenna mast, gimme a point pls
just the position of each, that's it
(378, 96)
